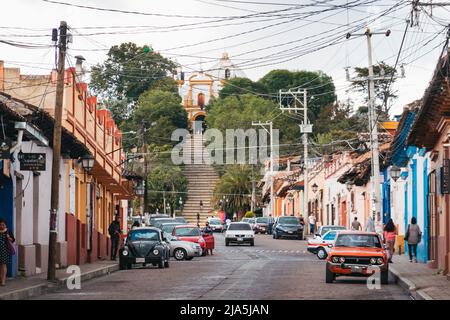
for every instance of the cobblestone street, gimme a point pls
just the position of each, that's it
(272, 269)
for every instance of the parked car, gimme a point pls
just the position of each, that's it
(287, 227)
(324, 229)
(239, 232)
(192, 234)
(144, 245)
(153, 217)
(167, 227)
(216, 224)
(181, 220)
(252, 222)
(262, 225)
(182, 250)
(319, 245)
(159, 221)
(357, 254)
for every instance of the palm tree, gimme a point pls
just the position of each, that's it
(236, 186)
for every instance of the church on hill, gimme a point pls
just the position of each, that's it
(197, 88)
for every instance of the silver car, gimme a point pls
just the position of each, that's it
(182, 250)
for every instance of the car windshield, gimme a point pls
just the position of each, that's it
(330, 235)
(358, 240)
(262, 220)
(187, 232)
(163, 220)
(143, 235)
(169, 227)
(180, 219)
(215, 221)
(239, 226)
(288, 220)
(251, 220)
(326, 229)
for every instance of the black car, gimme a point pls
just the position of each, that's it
(144, 245)
(287, 227)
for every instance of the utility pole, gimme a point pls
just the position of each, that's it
(56, 162)
(305, 128)
(253, 190)
(373, 127)
(145, 150)
(263, 125)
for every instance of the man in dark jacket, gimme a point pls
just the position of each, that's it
(114, 233)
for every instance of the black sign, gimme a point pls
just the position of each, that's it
(32, 161)
(5, 148)
(445, 177)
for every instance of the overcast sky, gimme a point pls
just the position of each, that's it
(281, 33)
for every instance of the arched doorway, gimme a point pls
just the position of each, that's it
(198, 125)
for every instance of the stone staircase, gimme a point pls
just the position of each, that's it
(202, 178)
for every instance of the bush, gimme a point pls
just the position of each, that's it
(249, 214)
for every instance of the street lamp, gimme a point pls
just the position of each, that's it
(315, 187)
(87, 162)
(349, 186)
(140, 189)
(395, 172)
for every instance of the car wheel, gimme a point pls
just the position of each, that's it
(329, 276)
(227, 243)
(189, 258)
(252, 244)
(384, 277)
(179, 254)
(161, 264)
(322, 254)
(166, 264)
(130, 266)
(122, 265)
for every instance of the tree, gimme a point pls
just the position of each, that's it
(160, 112)
(321, 89)
(239, 86)
(236, 185)
(128, 71)
(383, 88)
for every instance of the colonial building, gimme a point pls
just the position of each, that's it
(199, 87)
(89, 199)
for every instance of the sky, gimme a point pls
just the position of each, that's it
(283, 37)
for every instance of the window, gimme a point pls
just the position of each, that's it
(240, 226)
(358, 240)
(187, 232)
(144, 235)
(288, 220)
(330, 235)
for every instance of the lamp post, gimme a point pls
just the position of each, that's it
(395, 172)
(181, 206)
(87, 162)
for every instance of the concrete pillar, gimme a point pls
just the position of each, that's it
(27, 259)
(41, 257)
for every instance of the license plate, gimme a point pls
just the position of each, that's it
(140, 260)
(357, 269)
(240, 239)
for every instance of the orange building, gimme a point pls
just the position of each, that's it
(92, 199)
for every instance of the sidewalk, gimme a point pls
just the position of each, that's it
(422, 282)
(27, 287)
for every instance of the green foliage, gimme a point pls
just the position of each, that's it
(167, 178)
(321, 89)
(249, 214)
(236, 185)
(160, 112)
(383, 89)
(239, 86)
(126, 74)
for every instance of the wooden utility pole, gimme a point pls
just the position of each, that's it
(145, 150)
(62, 46)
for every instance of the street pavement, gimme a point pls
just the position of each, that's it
(272, 269)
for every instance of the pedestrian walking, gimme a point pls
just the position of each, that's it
(312, 223)
(270, 224)
(370, 226)
(6, 250)
(114, 233)
(389, 234)
(413, 237)
(356, 226)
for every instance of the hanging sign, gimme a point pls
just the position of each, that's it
(32, 161)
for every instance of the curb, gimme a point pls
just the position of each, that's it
(408, 286)
(47, 286)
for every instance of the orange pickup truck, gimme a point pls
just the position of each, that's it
(358, 254)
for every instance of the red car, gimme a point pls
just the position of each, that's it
(193, 234)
